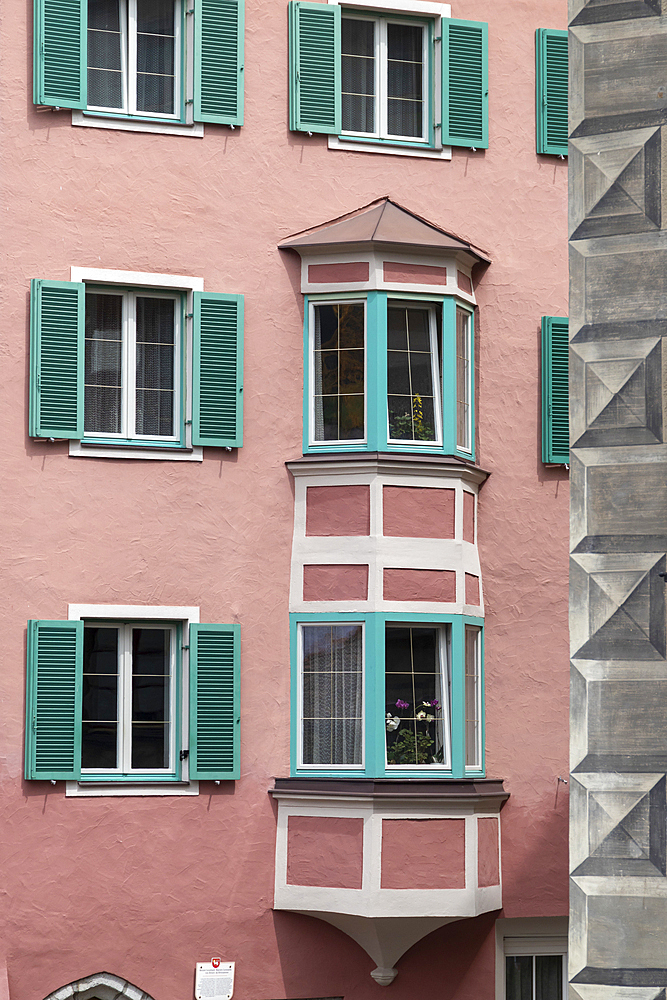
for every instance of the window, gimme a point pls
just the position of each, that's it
(136, 367)
(371, 77)
(388, 695)
(535, 966)
(147, 60)
(555, 390)
(552, 87)
(390, 374)
(130, 694)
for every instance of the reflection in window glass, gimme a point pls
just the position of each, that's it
(473, 698)
(339, 372)
(332, 697)
(534, 977)
(463, 381)
(412, 380)
(416, 699)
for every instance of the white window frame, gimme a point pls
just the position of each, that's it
(436, 369)
(325, 767)
(143, 281)
(445, 656)
(381, 80)
(469, 360)
(349, 442)
(117, 119)
(114, 614)
(529, 936)
(129, 366)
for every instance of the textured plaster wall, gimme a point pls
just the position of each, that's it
(144, 888)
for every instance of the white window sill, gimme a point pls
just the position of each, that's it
(354, 146)
(136, 125)
(79, 449)
(90, 789)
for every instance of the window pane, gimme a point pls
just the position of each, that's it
(155, 56)
(548, 977)
(414, 709)
(155, 367)
(405, 80)
(339, 372)
(104, 54)
(100, 698)
(332, 694)
(519, 977)
(103, 363)
(358, 75)
(463, 422)
(411, 375)
(472, 698)
(151, 677)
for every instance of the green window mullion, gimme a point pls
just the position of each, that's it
(315, 67)
(457, 666)
(215, 665)
(555, 390)
(449, 437)
(551, 100)
(54, 700)
(374, 686)
(57, 325)
(60, 72)
(465, 83)
(218, 61)
(376, 371)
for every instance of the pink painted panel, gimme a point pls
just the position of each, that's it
(339, 582)
(464, 282)
(472, 589)
(338, 510)
(423, 854)
(420, 585)
(325, 850)
(488, 859)
(415, 274)
(418, 512)
(356, 270)
(468, 517)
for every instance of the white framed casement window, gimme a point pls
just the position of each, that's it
(414, 374)
(473, 697)
(133, 347)
(134, 59)
(331, 695)
(338, 371)
(535, 967)
(464, 375)
(417, 695)
(385, 74)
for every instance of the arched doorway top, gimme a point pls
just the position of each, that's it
(99, 986)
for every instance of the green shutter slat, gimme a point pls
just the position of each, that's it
(465, 83)
(555, 390)
(218, 94)
(53, 702)
(314, 67)
(60, 71)
(57, 323)
(551, 96)
(217, 409)
(214, 701)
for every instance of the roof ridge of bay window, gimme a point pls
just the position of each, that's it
(382, 221)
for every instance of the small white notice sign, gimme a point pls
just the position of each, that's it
(214, 980)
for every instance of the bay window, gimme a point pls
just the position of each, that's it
(383, 694)
(386, 373)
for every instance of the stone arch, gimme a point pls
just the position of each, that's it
(99, 986)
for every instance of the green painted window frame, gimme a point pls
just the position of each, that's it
(60, 62)
(551, 98)
(374, 739)
(555, 390)
(54, 685)
(376, 375)
(211, 368)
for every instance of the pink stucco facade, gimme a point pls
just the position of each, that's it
(144, 887)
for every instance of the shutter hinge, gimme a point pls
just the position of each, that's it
(184, 754)
(186, 424)
(185, 647)
(191, 11)
(189, 101)
(189, 315)
(438, 38)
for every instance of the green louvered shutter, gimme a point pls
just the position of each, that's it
(57, 326)
(217, 398)
(555, 393)
(215, 660)
(53, 700)
(218, 95)
(314, 67)
(59, 64)
(551, 98)
(465, 83)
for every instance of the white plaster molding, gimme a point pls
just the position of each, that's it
(196, 130)
(359, 146)
(146, 279)
(431, 7)
(376, 281)
(100, 986)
